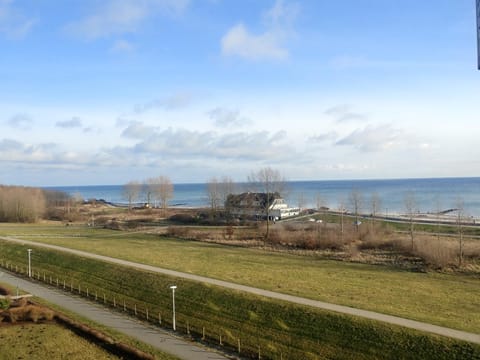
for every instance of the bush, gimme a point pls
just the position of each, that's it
(4, 291)
(437, 254)
(28, 313)
(178, 231)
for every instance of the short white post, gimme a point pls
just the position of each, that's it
(173, 287)
(29, 263)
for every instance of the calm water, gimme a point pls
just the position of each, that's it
(428, 193)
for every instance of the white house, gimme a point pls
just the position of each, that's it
(256, 204)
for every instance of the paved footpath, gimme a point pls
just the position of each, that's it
(395, 320)
(148, 334)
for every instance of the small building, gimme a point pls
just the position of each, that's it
(255, 205)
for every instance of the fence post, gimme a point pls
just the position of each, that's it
(57, 282)
(104, 298)
(146, 311)
(44, 280)
(96, 295)
(114, 302)
(259, 357)
(238, 345)
(63, 284)
(188, 328)
(221, 339)
(203, 333)
(160, 318)
(135, 309)
(79, 288)
(124, 306)
(87, 292)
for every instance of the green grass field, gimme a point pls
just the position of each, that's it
(444, 299)
(47, 342)
(278, 328)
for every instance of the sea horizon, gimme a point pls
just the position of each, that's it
(432, 194)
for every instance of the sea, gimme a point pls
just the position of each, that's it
(431, 195)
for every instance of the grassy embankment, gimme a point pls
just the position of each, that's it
(46, 342)
(276, 327)
(443, 299)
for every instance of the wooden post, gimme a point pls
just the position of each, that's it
(44, 280)
(135, 309)
(57, 281)
(104, 298)
(221, 339)
(188, 328)
(87, 292)
(95, 295)
(124, 305)
(114, 302)
(160, 318)
(50, 279)
(146, 312)
(259, 356)
(203, 333)
(238, 345)
(63, 284)
(79, 291)
(71, 286)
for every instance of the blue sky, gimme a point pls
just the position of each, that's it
(104, 92)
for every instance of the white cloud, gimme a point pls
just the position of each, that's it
(344, 113)
(325, 137)
(20, 121)
(372, 139)
(174, 102)
(74, 122)
(13, 23)
(188, 144)
(238, 41)
(122, 46)
(227, 118)
(270, 44)
(123, 16)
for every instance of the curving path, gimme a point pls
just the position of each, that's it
(151, 335)
(390, 319)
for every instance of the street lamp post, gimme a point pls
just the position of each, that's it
(29, 263)
(173, 287)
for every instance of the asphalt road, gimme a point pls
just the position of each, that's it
(151, 335)
(412, 324)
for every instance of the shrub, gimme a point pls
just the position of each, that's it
(4, 291)
(29, 312)
(178, 231)
(435, 253)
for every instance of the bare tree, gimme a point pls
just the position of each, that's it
(160, 189)
(213, 195)
(410, 203)
(131, 192)
(342, 220)
(460, 205)
(356, 201)
(226, 187)
(438, 213)
(376, 204)
(270, 182)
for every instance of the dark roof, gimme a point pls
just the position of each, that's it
(249, 198)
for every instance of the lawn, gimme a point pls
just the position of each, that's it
(444, 299)
(46, 342)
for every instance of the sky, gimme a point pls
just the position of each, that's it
(111, 91)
